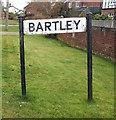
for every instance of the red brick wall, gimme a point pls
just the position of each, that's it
(102, 41)
(88, 4)
(109, 11)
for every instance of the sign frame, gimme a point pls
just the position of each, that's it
(89, 54)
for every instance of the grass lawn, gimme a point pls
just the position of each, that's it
(56, 79)
(11, 29)
(11, 22)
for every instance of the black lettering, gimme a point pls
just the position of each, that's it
(47, 26)
(31, 27)
(69, 25)
(61, 26)
(55, 24)
(76, 23)
(39, 26)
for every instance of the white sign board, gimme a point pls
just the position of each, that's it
(52, 26)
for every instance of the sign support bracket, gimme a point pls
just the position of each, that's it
(89, 55)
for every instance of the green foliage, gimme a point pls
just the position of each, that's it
(104, 16)
(97, 17)
(56, 77)
(73, 12)
(59, 9)
(101, 17)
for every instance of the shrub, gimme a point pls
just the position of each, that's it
(102, 17)
(97, 17)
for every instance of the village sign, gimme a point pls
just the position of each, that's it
(54, 26)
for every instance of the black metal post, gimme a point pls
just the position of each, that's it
(22, 56)
(89, 54)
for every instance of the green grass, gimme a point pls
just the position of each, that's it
(56, 77)
(11, 22)
(11, 29)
